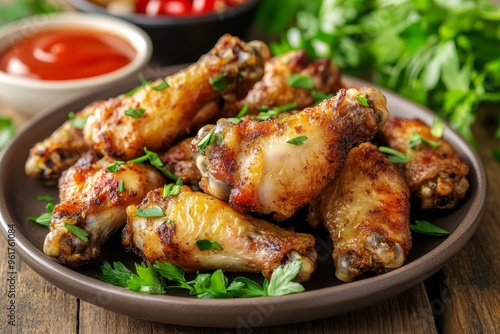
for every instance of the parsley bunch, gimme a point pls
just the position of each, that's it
(18, 9)
(442, 54)
(159, 277)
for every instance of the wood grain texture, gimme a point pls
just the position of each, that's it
(470, 282)
(408, 312)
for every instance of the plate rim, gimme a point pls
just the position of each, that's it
(245, 311)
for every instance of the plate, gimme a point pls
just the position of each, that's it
(324, 296)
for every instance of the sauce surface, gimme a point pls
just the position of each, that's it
(66, 54)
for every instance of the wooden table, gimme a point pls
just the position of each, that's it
(463, 297)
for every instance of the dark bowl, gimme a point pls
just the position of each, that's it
(184, 39)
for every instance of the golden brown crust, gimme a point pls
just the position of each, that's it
(437, 176)
(248, 244)
(366, 211)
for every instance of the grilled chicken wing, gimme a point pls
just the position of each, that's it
(366, 211)
(256, 168)
(248, 244)
(50, 157)
(91, 199)
(437, 176)
(181, 161)
(165, 115)
(274, 89)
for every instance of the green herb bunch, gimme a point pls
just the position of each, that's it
(17, 9)
(441, 54)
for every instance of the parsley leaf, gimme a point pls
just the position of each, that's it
(154, 211)
(45, 218)
(135, 112)
(207, 140)
(219, 83)
(143, 83)
(7, 130)
(117, 275)
(121, 186)
(416, 139)
(204, 244)
(394, 156)
(77, 122)
(80, 233)
(161, 86)
(171, 189)
(158, 278)
(425, 227)
(154, 159)
(300, 140)
(363, 100)
(146, 280)
(437, 128)
(281, 280)
(268, 113)
(298, 80)
(115, 166)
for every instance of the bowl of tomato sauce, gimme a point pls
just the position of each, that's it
(46, 59)
(181, 30)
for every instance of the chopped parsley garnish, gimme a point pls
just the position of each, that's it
(416, 139)
(171, 189)
(437, 128)
(425, 227)
(135, 112)
(161, 86)
(78, 232)
(268, 113)
(363, 100)
(154, 211)
(143, 81)
(77, 122)
(207, 140)
(115, 166)
(45, 218)
(44, 198)
(157, 278)
(121, 186)
(154, 159)
(394, 156)
(298, 80)
(219, 83)
(243, 111)
(297, 140)
(7, 130)
(204, 244)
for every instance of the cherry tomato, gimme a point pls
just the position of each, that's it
(168, 7)
(140, 6)
(203, 6)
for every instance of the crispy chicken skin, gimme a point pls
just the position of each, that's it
(252, 165)
(181, 161)
(170, 113)
(366, 211)
(91, 200)
(274, 89)
(437, 176)
(248, 244)
(49, 158)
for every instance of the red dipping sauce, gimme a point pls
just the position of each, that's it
(66, 54)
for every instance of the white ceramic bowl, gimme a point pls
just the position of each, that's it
(30, 96)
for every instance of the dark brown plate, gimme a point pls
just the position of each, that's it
(324, 295)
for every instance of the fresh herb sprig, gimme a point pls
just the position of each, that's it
(426, 227)
(441, 54)
(7, 130)
(159, 277)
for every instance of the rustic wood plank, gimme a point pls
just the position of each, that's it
(470, 289)
(409, 312)
(40, 307)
